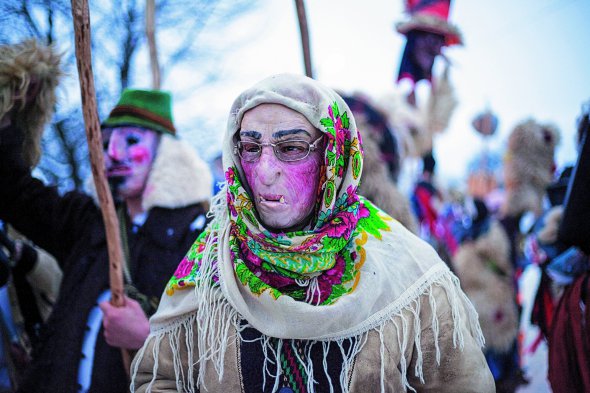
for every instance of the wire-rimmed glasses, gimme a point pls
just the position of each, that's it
(287, 151)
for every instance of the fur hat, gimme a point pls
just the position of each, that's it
(143, 108)
(528, 166)
(430, 16)
(29, 75)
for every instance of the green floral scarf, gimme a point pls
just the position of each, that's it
(317, 265)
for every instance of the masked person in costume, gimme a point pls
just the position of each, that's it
(29, 76)
(162, 190)
(299, 283)
(427, 31)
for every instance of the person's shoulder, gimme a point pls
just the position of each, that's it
(397, 249)
(383, 229)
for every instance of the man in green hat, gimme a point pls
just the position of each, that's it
(162, 190)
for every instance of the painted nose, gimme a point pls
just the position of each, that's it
(116, 147)
(269, 168)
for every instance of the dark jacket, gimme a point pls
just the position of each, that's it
(70, 227)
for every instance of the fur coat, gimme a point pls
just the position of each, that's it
(378, 187)
(484, 269)
(528, 167)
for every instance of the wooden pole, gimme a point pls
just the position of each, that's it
(304, 37)
(81, 16)
(150, 31)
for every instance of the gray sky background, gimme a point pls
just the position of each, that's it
(525, 58)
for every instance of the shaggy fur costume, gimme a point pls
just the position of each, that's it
(377, 186)
(484, 269)
(528, 167)
(441, 104)
(418, 125)
(408, 121)
(23, 66)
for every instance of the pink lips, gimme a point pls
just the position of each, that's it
(118, 171)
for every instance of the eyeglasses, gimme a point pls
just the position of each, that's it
(290, 150)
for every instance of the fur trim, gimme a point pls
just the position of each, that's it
(22, 66)
(529, 166)
(409, 123)
(441, 103)
(416, 126)
(179, 177)
(434, 25)
(377, 186)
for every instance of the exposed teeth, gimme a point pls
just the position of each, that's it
(262, 199)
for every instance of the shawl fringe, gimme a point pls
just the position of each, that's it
(215, 317)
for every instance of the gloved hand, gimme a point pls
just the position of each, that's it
(21, 257)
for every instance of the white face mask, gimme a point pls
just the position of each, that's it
(129, 154)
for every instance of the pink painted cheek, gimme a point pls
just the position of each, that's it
(140, 154)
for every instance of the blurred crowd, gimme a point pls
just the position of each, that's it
(515, 209)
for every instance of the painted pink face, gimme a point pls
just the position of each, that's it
(129, 153)
(284, 193)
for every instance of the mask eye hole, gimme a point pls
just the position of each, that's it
(132, 140)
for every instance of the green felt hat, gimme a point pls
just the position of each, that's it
(143, 108)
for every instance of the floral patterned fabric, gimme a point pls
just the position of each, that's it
(316, 265)
(353, 281)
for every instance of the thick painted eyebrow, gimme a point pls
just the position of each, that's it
(282, 133)
(251, 134)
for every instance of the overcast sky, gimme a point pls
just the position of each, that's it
(526, 58)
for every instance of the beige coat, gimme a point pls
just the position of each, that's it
(402, 323)
(459, 370)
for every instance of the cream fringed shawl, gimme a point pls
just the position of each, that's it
(388, 271)
(398, 269)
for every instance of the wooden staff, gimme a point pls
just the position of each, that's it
(81, 16)
(304, 36)
(150, 31)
